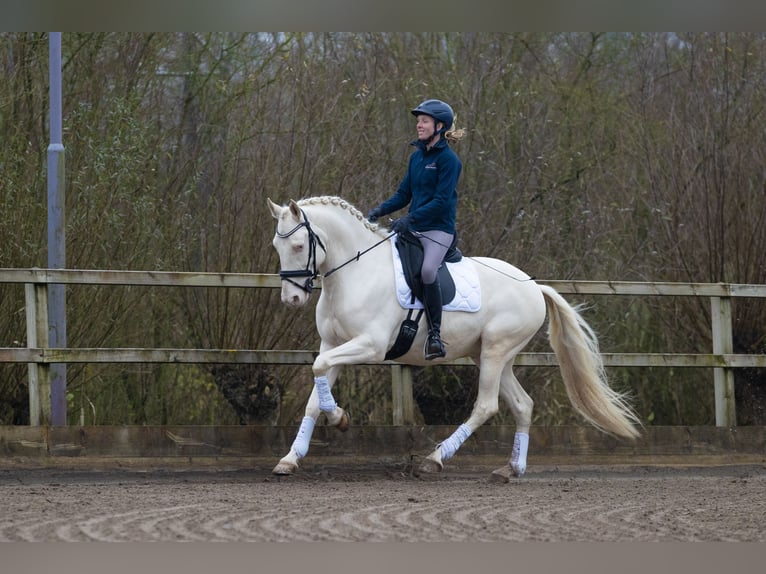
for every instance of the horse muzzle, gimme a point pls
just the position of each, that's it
(294, 297)
(296, 293)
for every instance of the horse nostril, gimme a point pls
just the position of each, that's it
(293, 298)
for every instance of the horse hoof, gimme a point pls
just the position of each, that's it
(284, 469)
(430, 466)
(502, 474)
(343, 423)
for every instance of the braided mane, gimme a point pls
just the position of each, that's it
(343, 204)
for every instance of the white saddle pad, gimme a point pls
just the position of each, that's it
(467, 287)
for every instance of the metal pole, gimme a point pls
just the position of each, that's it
(56, 233)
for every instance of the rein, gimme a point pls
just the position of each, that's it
(358, 255)
(310, 272)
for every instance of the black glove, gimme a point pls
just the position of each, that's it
(402, 224)
(375, 212)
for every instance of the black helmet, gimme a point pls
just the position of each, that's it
(438, 110)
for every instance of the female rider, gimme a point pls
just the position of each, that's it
(430, 189)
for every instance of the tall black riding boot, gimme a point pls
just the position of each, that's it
(432, 301)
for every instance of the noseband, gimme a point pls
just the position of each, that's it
(310, 272)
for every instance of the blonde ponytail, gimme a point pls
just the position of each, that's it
(454, 134)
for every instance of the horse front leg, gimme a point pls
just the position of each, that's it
(361, 349)
(326, 368)
(336, 416)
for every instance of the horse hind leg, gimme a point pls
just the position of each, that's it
(486, 406)
(521, 406)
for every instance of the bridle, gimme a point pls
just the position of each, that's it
(310, 272)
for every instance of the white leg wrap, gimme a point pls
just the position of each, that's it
(326, 401)
(301, 442)
(519, 453)
(451, 444)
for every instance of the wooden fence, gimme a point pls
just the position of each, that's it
(39, 356)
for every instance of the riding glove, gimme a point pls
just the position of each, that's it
(402, 224)
(375, 212)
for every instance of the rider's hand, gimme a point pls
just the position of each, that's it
(401, 225)
(375, 212)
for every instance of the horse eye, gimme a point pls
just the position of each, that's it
(298, 247)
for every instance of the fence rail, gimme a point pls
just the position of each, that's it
(39, 356)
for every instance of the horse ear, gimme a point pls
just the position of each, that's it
(295, 210)
(275, 209)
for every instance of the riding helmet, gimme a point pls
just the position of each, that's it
(438, 110)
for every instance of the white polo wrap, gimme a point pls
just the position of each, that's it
(326, 401)
(451, 444)
(519, 452)
(301, 442)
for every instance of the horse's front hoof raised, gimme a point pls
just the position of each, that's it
(431, 466)
(344, 422)
(284, 469)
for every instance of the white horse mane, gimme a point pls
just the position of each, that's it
(343, 204)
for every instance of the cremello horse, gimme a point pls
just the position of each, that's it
(358, 318)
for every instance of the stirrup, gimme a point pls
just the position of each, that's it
(434, 348)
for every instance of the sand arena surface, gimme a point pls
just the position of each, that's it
(384, 503)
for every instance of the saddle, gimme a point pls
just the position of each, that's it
(411, 255)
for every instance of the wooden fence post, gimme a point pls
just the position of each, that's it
(36, 298)
(402, 401)
(723, 344)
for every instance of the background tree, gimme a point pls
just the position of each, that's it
(588, 156)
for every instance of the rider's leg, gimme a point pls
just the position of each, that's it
(432, 301)
(435, 247)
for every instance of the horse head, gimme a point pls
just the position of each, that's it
(326, 233)
(301, 252)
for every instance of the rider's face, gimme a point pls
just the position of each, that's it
(425, 126)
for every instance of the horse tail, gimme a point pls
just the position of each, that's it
(582, 369)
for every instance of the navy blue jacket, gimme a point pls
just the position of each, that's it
(430, 187)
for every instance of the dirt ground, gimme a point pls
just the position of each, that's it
(384, 502)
